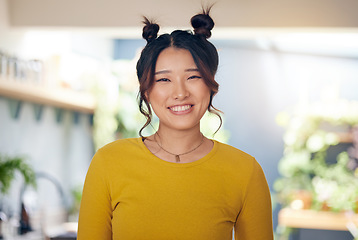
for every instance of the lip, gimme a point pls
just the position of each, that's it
(181, 109)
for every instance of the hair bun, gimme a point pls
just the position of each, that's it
(150, 30)
(202, 24)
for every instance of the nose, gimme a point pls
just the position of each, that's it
(180, 91)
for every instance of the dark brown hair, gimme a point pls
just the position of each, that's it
(203, 52)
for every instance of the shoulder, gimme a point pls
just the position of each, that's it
(120, 145)
(117, 151)
(236, 160)
(230, 152)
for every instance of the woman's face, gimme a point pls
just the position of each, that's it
(179, 95)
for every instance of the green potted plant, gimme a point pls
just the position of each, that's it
(319, 166)
(305, 174)
(8, 167)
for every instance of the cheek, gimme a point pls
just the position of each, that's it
(157, 95)
(205, 93)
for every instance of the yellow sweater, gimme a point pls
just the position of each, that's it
(130, 194)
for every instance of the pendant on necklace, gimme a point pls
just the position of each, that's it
(177, 158)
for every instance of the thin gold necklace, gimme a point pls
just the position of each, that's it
(177, 156)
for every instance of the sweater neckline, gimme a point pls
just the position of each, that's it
(173, 164)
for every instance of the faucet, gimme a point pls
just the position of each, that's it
(25, 225)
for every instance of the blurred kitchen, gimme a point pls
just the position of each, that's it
(288, 80)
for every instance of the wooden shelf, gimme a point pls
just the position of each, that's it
(57, 97)
(316, 220)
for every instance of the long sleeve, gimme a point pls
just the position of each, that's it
(130, 194)
(95, 211)
(254, 221)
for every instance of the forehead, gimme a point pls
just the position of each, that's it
(175, 58)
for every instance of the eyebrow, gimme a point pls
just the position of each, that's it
(168, 71)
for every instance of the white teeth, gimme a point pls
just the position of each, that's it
(180, 108)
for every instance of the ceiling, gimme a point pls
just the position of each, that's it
(282, 24)
(239, 14)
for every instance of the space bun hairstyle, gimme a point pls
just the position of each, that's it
(203, 52)
(150, 30)
(203, 23)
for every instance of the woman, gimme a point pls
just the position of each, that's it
(176, 183)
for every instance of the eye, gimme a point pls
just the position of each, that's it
(162, 80)
(194, 77)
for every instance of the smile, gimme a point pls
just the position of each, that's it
(181, 108)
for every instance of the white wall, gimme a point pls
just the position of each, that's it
(9, 38)
(61, 149)
(256, 85)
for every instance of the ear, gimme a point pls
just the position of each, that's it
(146, 94)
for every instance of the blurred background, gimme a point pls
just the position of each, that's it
(288, 89)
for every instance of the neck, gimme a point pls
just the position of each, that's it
(177, 155)
(179, 141)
